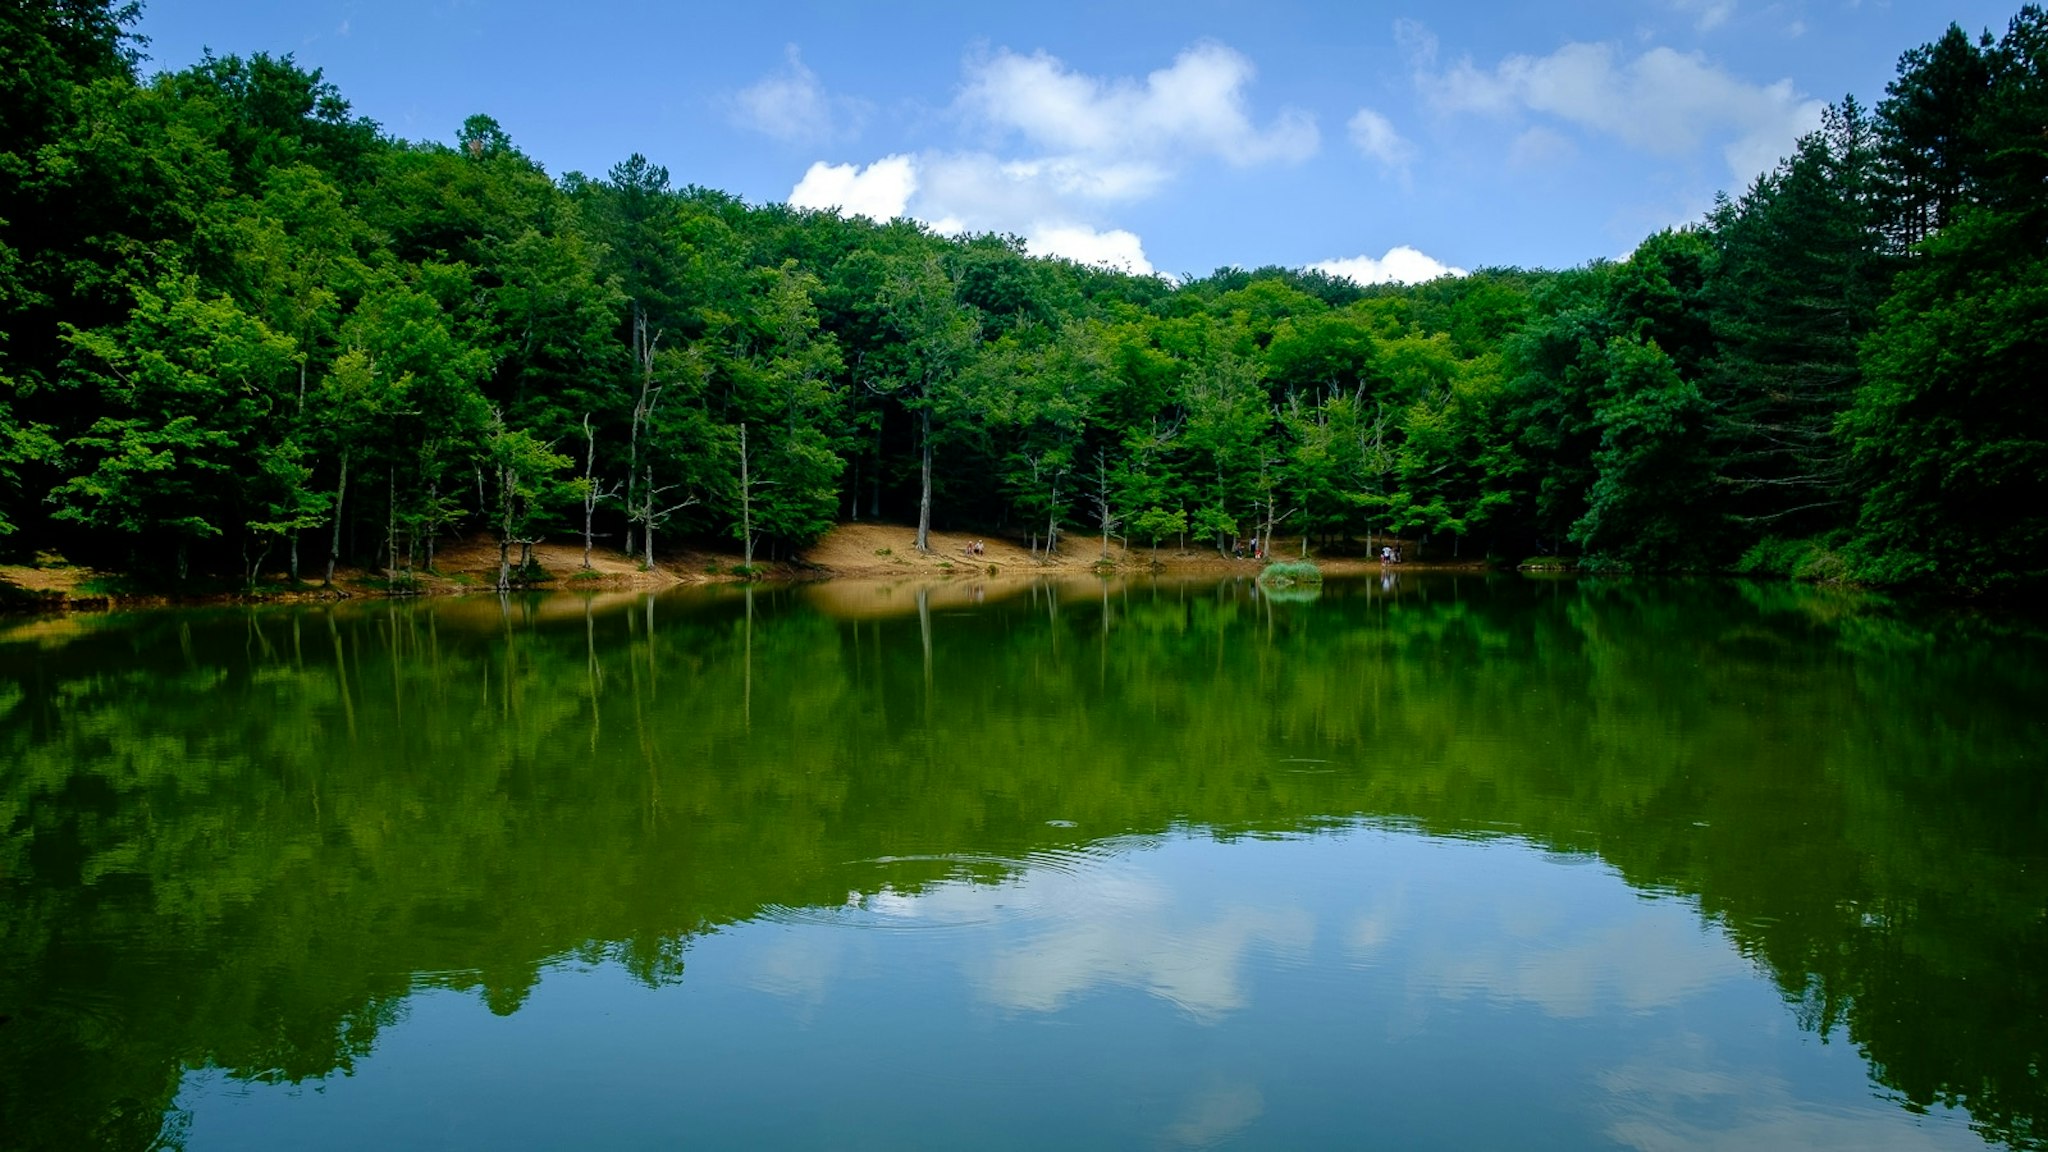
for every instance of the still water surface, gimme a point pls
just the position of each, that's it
(1441, 862)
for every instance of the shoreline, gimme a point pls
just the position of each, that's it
(860, 552)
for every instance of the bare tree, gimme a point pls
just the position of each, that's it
(593, 494)
(652, 513)
(646, 344)
(747, 485)
(1109, 521)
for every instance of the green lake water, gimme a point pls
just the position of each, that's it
(1420, 863)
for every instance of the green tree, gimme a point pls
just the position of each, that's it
(931, 338)
(1949, 434)
(183, 388)
(524, 471)
(1227, 417)
(1795, 289)
(788, 386)
(1651, 464)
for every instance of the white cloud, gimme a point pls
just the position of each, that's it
(1402, 265)
(881, 191)
(1638, 964)
(1115, 248)
(1684, 1096)
(1215, 1115)
(1194, 107)
(1012, 194)
(1708, 14)
(1374, 135)
(791, 104)
(1045, 201)
(1062, 149)
(1661, 101)
(1417, 42)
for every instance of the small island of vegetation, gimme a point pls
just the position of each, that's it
(1288, 573)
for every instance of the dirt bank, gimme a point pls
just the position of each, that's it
(867, 552)
(888, 551)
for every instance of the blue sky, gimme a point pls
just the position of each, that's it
(1378, 139)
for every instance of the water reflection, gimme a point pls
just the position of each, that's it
(1575, 862)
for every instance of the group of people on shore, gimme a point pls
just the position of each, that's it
(975, 548)
(1389, 555)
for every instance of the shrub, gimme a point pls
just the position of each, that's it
(1283, 573)
(1793, 559)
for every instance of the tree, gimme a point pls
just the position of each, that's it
(19, 444)
(788, 383)
(1155, 523)
(589, 490)
(1949, 433)
(524, 470)
(1651, 466)
(1926, 132)
(183, 387)
(1795, 289)
(286, 503)
(1106, 516)
(351, 401)
(1226, 417)
(931, 338)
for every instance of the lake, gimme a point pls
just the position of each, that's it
(1428, 862)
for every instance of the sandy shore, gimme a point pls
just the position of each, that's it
(870, 553)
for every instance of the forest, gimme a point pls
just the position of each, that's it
(246, 333)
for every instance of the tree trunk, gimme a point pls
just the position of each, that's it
(340, 493)
(391, 525)
(504, 529)
(256, 567)
(295, 556)
(589, 487)
(924, 500)
(875, 498)
(644, 353)
(746, 503)
(1102, 509)
(648, 536)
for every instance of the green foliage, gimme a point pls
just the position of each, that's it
(1794, 560)
(1950, 432)
(1155, 524)
(1285, 572)
(246, 320)
(1651, 467)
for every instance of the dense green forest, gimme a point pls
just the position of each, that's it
(243, 330)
